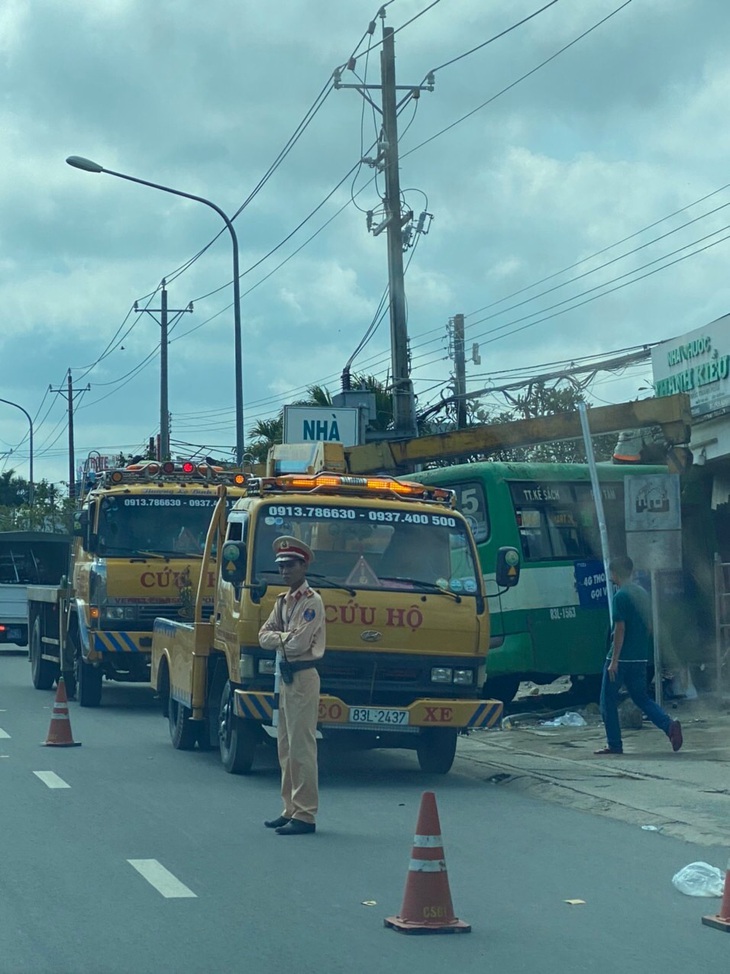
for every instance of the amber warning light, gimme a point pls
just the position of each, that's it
(376, 485)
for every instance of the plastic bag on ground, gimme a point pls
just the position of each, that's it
(700, 879)
(571, 719)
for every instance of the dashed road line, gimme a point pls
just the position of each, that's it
(51, 779)
(162, 879)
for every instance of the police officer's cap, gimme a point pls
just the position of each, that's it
(286, 548)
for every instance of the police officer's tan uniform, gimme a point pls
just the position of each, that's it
(297, 620)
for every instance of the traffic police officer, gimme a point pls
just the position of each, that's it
(296, 630)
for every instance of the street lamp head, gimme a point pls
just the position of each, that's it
(78, 162)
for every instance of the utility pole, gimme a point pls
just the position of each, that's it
(68, 394)
(393, 221)
(404, 413)
(459, 371)
(163, 311)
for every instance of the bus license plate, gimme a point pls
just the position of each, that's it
(376, 715)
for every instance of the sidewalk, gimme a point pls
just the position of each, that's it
(686, 794)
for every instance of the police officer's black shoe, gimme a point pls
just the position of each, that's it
(276, 823)
(296, 827)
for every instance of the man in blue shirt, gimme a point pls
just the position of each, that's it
(627, 660)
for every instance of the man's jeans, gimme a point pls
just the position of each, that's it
(633, 677)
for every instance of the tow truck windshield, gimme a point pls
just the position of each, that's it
(374, 547)
(162, 525)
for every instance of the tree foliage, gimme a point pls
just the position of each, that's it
(542, 400)
(51, 510)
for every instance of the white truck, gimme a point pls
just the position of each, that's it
(27, 558)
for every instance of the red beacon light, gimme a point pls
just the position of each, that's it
(188, 467)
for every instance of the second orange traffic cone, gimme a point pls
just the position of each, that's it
(721, 921)
(427, 906)
(59, 733)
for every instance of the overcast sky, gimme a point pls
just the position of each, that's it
(607, 141)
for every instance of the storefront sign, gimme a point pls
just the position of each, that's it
(697, 363)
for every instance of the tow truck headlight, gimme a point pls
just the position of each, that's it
(442, 674)
(464, 677)
(246, 667)
(118, 613)
(267, 667)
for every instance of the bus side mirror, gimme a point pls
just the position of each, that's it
(508, 567)
(233, 562)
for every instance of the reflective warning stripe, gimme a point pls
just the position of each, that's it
(427, 866)
(115, 642)
(427, 841)
(486, 714)
(254, 706)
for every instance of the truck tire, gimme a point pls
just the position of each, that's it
(43, 672)
(238, 738)
(209, 739)
(436, 749)
(88, 683)
(183, 731)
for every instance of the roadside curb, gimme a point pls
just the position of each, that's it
(686, 795)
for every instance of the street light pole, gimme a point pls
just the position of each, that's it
(79, 162)
(30, 442)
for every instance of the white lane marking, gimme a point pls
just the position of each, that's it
(51, 779)
(162, 879)
(4, 735)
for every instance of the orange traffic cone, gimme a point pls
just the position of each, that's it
(427, 904)
(722, 920)
(59, 733)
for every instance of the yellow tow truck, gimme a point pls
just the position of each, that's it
(406, 613)
(138, 553)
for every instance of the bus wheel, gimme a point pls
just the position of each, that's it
(42, 671)
(88, 683)
(501, 688)
(238, 738)
(436, 749)
(183, 731)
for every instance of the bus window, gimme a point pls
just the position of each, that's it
(534, 536)
(564, 537)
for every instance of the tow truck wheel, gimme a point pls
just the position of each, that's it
(43, 672)
(183, 732)
(436, 749)
(238, 738)
(88, 683)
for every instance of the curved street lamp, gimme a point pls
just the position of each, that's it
(79, 162)
(30, 442)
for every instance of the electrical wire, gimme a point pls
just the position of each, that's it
(518, 81)
(491, 40)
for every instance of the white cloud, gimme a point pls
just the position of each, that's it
(624, 128)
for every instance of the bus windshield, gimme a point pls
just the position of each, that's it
(139, 524)
(372, 548)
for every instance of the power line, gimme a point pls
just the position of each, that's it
(522, 78)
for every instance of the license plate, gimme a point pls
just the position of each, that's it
(377, 715)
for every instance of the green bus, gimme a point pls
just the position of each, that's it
(555, 621)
